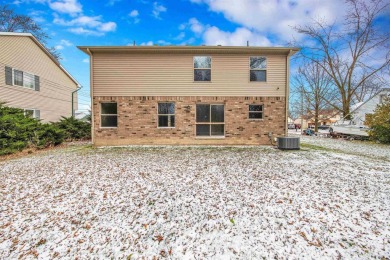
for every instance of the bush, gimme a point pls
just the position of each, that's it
(74, 129)
(379, 122)
(18, 131)
(47, 135)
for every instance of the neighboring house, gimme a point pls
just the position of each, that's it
(360, 111)
(188, 95)
(82, 116)
(326, 117)
(302, 121)
(32, 79)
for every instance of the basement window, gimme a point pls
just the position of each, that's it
(258, 69)
(166, 115)
(255, 111)
(210, 120)
(109, 115)
(33, 113)
(202, 68)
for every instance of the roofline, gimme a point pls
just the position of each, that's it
(40, 45)
(15, 34)
(191, 49)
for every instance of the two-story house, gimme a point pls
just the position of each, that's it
(33, 80)
(188, 95)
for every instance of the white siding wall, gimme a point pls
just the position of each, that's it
(359, 115)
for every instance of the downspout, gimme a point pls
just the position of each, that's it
(287, 91)
(91, 94)
(73, 113)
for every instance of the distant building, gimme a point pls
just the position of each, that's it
(83, 116)
(326, 117)
(33, 80)
(360, 111)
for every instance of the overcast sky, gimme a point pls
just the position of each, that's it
(194, 22)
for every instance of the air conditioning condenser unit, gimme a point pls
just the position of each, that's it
(289, 143)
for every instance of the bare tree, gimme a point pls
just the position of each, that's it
(12, 22)
(316, 88)
(349, 55)
(294, 110)
(370, 87)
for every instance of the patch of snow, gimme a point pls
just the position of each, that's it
(363, 148)
(195, 202)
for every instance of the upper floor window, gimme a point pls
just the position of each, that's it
(109, 115)
(23, 79)
(202, 68)
(258, 69)
(16, 77)
(166, 114)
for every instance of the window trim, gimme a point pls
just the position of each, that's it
(13, 79)
(166, 127)
(256, 112)
(108, 127)
(193, 68)
(211, 123)
(266, 70)
(31, 109)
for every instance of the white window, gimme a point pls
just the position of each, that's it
(34, 113)
(23, 79)
(109, 115)
(210, 120)
(28, 80)
(202, 68)
(255, 111)
(258, 69)
(166, 114)
(18, 77)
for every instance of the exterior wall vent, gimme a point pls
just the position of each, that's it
(289, 143)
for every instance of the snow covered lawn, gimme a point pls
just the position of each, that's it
(197, 202)
(363, 148)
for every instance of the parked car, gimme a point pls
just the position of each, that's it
(291, 126)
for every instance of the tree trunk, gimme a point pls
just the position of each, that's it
(346, 113)
(316, 120)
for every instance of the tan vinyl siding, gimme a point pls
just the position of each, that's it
(54, 98)
(126, 74)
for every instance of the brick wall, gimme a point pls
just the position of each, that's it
(137, 121)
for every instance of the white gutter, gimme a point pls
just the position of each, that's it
(91, 94)
(287, 89)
